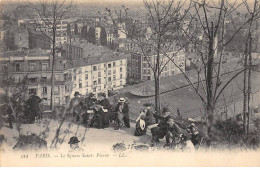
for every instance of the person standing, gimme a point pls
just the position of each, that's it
(122, 110)
(75, 106)
(32, 107)
(98, 117)
(107, 109)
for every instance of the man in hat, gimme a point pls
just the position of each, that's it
(76, 105)
(32, 107)
(195, 136)
(161, 130)
(97, 120)
(106, 105)
(173, 130)
(122, 110)
(90, 100)
(74, 144)
(7, 111)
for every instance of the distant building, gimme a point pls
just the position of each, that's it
(95, 68)
(139, 69)
(37, 67)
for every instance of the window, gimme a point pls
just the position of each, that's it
(121, 76)
(44, 66)
(109, 72)
(109, 79)
(4, 67)
(74, 78)
(95, 82)
(80, 78)
(121, 83)
(114, 64)
(44, 79)
(94, 89)
(94, 68)
(99, 74)
(57, 100)
(32, 91)
(56, 90)
(80, 70)
(44, 90)
(80, 85)
(17, 67)
(109, 65)
(86, 76)
(114, 71)
(121, 69)
(32, 66)
(121, 62)
(99, 67)
(99, 80)
(114, 77)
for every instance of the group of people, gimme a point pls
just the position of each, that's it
(98, 112)
(166, 127)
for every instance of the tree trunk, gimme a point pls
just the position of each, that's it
(53, 67)
(249, 81)
(209, 77)
(245, 90)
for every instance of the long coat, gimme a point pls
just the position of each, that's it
(106, 105)
(125, 111)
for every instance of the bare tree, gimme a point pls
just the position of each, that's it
(155, 45)
(207, 33)
(250, 47)
(47, 16)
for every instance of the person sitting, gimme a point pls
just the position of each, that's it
(141, 127)
(159, 130)
(97, 120)
(144, 120)
(88, 106)
(122, 112)
(173, 131)
(74, 144)
(106, 108)
(195, 136)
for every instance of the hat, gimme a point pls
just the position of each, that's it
(167, 114)
(73, 140)
(76, 93)
(103, 94)
(147, 104)
(170, 120)
(191, 120)
(122, 99)
(91, 94)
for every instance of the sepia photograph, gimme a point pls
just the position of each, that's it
(129, 83)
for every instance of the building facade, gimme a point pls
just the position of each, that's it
(139, 66)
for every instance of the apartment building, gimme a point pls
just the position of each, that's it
(99, 74)
(139, 66)
(36, 66)
(95, 68)
(61, 29)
